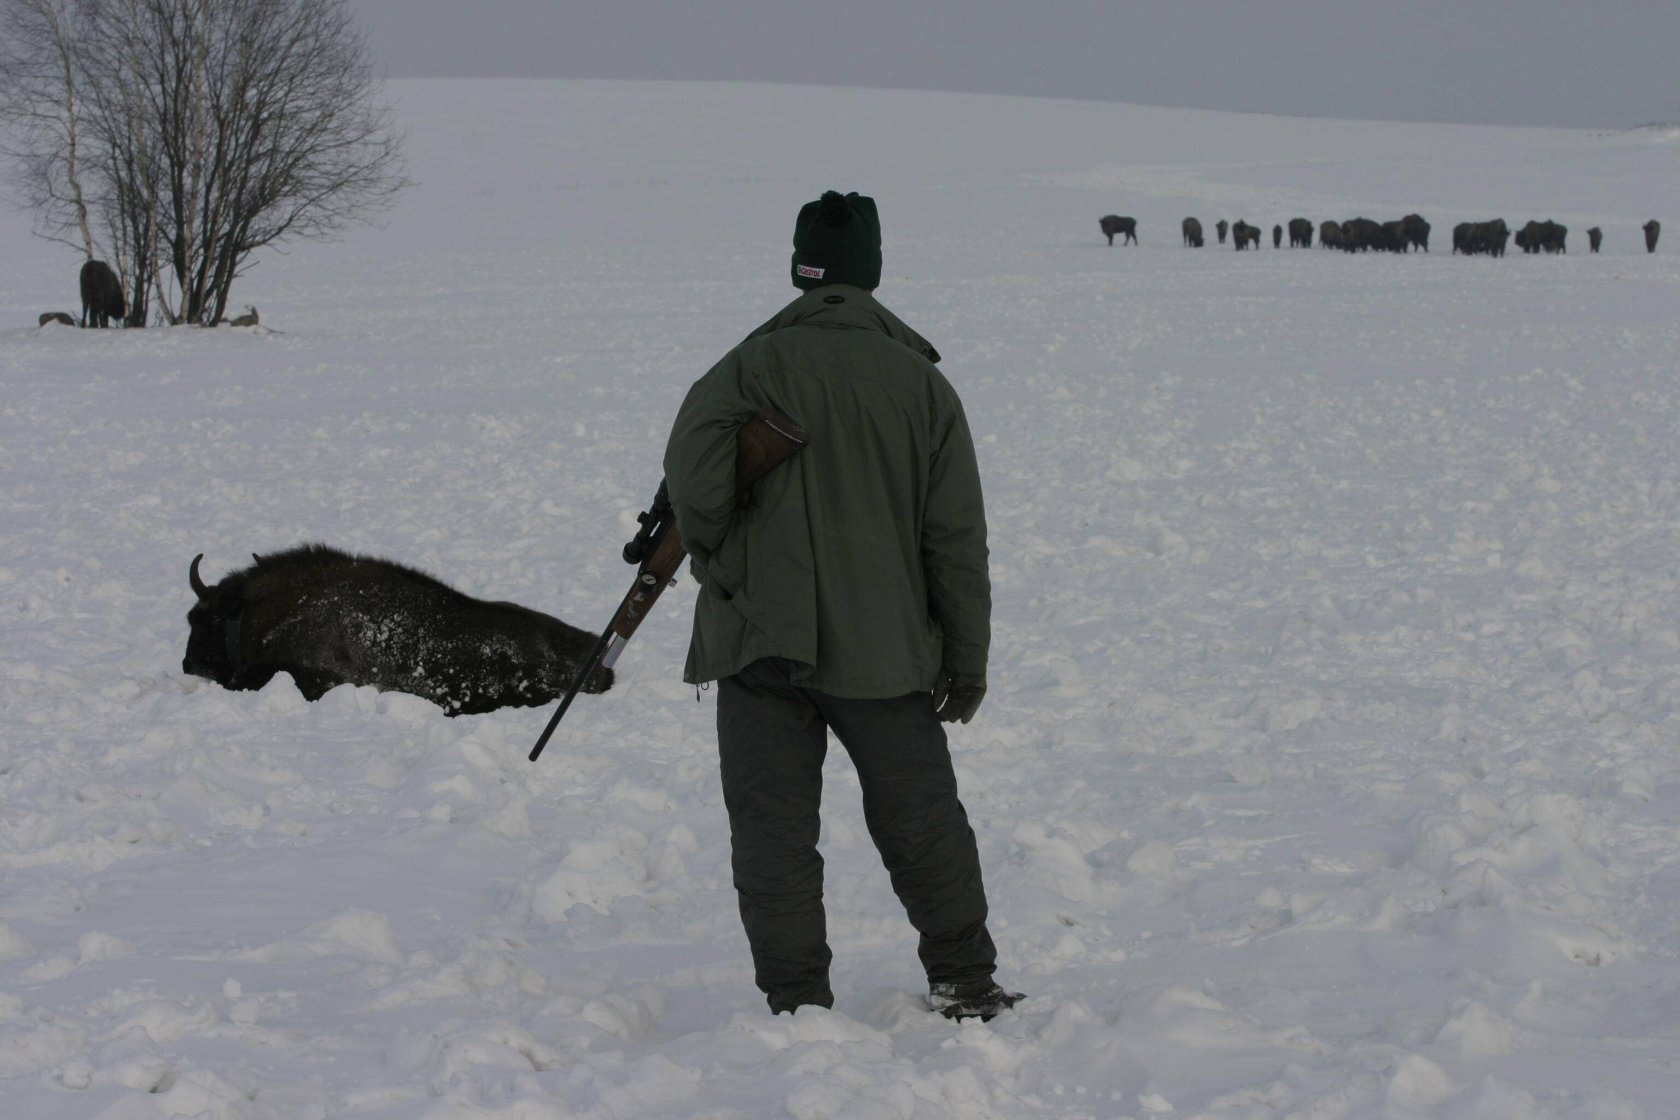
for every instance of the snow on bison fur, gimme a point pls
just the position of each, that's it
(330, 618)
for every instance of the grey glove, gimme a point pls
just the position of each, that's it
(956, 699)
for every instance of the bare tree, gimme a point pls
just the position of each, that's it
(210, 128)
(40, 112)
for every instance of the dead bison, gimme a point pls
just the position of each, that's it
(1114, 223)
(64, 317)
(330, 618)
(1192, 233)
(102, 295)
(1652, 228)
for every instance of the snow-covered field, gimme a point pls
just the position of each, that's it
(1331, 764)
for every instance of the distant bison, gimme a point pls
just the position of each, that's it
(1595, 238)
(1360, 235)
(1481, 237)
(1652, 228)
(1245, 235)
(102, 295)
(1415, 231)
(1300, 233)
(1114, 223)
(64, 317)
(330, 618)
(1542, 237)
(1221, 227)
(1192, 233)
(1277, 237)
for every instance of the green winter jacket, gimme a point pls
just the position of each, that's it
(862, 558)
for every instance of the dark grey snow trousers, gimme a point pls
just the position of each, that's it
(772, 738)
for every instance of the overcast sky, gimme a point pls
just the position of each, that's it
(1577, 63)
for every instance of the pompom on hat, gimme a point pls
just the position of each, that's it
(837, 240)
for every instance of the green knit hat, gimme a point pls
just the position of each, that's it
(837, 240)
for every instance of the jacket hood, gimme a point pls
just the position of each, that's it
(843, 306)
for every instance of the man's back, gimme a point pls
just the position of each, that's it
(864, 559)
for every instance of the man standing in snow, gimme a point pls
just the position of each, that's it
(852, 594)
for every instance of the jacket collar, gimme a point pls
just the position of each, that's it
(841, 305)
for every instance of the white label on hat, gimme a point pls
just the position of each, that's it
(810, 273)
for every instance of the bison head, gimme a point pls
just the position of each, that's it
(213, 628)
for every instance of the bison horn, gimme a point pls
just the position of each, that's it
(192, 576)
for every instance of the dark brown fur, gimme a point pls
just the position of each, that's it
(330, 618)
(102, 295)
(1114, 223)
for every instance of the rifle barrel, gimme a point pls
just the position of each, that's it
(595, 657)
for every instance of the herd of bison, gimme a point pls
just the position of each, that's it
(103, 302)
(1362, 235)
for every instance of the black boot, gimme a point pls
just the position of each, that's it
(981, 1000)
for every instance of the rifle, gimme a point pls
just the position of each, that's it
(761, 444)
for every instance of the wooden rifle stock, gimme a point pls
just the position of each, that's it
(761, 445)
